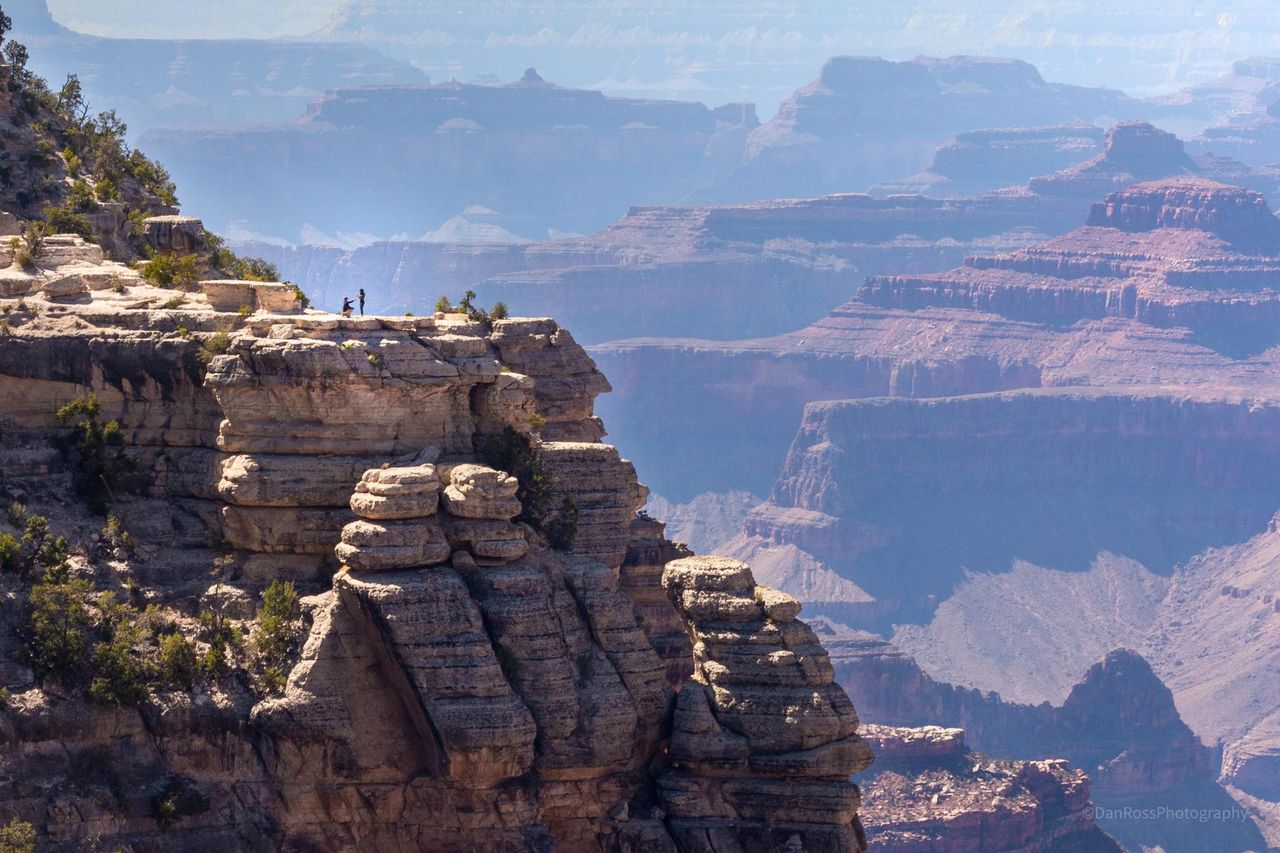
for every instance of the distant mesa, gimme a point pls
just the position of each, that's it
(1240, 217)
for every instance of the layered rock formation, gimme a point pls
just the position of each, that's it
(1139, 351)
(758, 268)
(1119, 725)
(1049, 477)
(462, 684)
(717, 272)
(763, 742)
(929, 792)
(996, 323)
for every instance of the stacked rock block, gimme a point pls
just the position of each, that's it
(400, 526)
(763, 740)
(397, 528)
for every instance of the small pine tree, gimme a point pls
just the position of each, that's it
(276, 632)
(178, 663)
(98, 459)
(58, 629)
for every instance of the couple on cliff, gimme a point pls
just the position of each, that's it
(346, 304)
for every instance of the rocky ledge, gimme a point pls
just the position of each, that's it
(929, 792)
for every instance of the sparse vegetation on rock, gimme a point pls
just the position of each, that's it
(96, 451)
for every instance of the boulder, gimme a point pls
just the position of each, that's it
(183, 234)
(477, 491)
(397, 493)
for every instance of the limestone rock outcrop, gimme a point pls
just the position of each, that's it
(174, 233)
(927, 791)
(763, 742)
(397, 529)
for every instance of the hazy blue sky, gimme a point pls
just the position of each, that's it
(167, 19)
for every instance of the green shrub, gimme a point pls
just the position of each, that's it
(73, 163)
(443, 305)
(17, 514)
(178, 663)
(214, 345)
(173, 303)
(562, 528)
(234, 266)
(120, 672)
(152, 176)
(177, 798)
(172, 270)
(277, 623)
(17, 836)
(107, 189)
(98, 460)
(40, 547)
(58, 629)
(10, 553)
(115, 535)
(120, 667)
(79, 198)
(304, 301)
(61, 220)
(499, 311)
(516, 454)
(220, 636)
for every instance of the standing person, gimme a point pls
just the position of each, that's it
(360, 296)
(346, 306)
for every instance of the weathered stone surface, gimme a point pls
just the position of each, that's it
(477, 491)
(403, 505)
(742, 722)
(487, 539)
(640, 578)
(279, 480)
(63, 287)
(236, 295)
(928, 792)
(59, 250)
(174, 233)
(389, 545)
(604, 489)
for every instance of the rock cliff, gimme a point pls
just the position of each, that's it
(476, 670)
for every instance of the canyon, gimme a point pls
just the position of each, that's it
(464, 678)
(275, 577)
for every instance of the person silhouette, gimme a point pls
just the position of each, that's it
(346, 306)
(360, 296)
